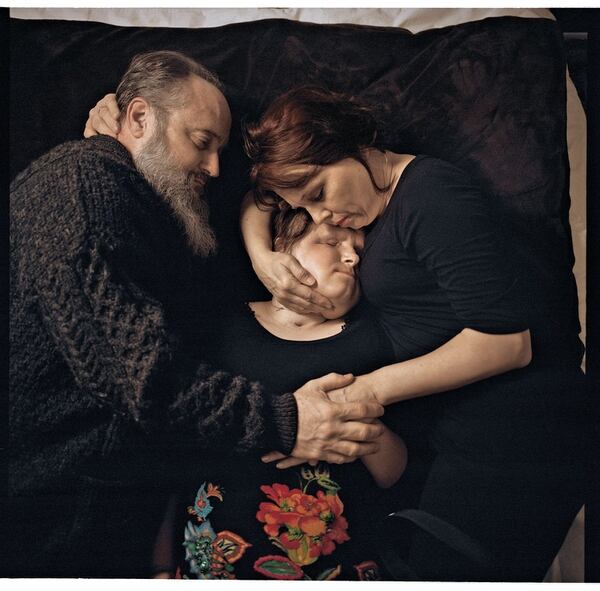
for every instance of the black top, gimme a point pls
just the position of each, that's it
(434, 264)
(241, 344)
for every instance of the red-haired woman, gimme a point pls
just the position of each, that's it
(438, 273)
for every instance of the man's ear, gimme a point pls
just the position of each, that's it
(137, 117)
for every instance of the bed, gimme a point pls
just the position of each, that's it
(487, 89)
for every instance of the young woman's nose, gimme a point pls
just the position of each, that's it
(350, 257)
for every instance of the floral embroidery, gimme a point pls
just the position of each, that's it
(210, 555)
(368, 571)
(202, 506)
(278, 567)
(303, 525)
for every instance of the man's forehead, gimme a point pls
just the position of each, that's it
(195, 128)
(207, 109)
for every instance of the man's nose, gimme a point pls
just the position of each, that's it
(211, 165)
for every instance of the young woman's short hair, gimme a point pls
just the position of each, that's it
(289, 226)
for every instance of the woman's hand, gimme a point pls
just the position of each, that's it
(290, 283)
(362, 389)
(103, 118)
(279, 272)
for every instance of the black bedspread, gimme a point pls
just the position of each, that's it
(488, 96)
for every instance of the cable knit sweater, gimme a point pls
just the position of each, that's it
(103, 375)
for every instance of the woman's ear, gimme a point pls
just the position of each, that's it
(137, 117)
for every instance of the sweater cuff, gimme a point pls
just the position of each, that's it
(285, 421)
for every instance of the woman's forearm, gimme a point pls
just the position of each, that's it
(469, 357)
(389, 462)
(256, 228)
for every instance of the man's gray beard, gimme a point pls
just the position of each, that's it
(158, 167)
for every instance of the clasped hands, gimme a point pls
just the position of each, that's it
(336, 422)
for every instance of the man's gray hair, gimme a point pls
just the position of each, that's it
(158, 77)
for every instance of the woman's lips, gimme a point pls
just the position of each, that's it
(343, 222)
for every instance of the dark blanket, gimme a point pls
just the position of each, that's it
(488, 96)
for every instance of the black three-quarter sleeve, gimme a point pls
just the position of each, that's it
(446, 223)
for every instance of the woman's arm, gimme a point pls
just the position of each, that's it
(468, 357)
(388, 463)
(279, 272)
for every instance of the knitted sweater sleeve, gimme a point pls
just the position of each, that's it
(114, 335)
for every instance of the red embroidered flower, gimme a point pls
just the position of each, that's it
(312, 525)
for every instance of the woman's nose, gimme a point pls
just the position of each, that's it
(319, 215)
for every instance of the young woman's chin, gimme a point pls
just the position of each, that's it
(342, 305)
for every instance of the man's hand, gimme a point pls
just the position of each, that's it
(331, 431)
(290, 283)
(103, 118)
(362, 389)
(284, 461)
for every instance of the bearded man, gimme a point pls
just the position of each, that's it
(108, 243)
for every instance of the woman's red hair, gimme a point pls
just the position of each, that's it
(306, 126)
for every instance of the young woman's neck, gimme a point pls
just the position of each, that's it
(283, 316)
(287, 324)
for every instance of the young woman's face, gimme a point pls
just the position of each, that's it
(339, 194)
(332, 254)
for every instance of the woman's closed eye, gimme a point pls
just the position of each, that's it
(318, 197)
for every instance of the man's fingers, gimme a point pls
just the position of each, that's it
(290, 462)
(272, 456)
(336, 458)
(332, 381)
(354, 449)
(356, 411)
(359, 431)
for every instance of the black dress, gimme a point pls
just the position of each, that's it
(505, 452)
(249, 520)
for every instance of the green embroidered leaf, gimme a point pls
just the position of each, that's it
(330, 573)
(328, 484)
(278, 567)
